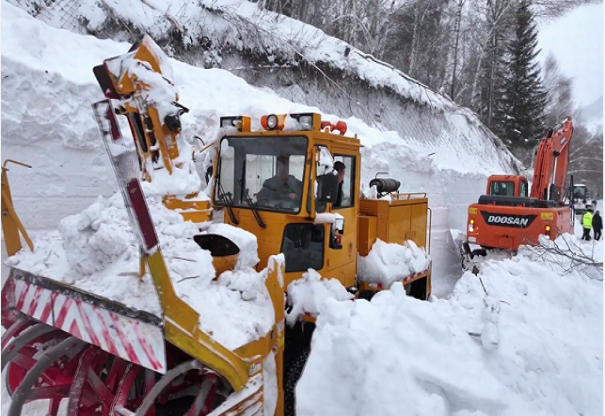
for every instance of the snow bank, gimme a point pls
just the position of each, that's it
(387, 263)
(97, 251)
(519, 339)
(308, 294)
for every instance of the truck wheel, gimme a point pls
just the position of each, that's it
(298, 347)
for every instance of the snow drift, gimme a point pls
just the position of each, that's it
(522, 338)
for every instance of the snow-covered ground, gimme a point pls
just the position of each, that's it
(522, 338)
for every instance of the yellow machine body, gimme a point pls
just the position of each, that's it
(405, 216)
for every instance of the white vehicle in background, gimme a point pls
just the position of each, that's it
(582, 199)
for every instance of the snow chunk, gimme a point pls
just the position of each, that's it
(308, 294)
(519, 339)
(325, 158)
(270, 393)
(388, 262)
(327, 218)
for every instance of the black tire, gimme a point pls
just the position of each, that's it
(296, 353)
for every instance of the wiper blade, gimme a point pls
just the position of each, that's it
(252, 206)
(228, 201)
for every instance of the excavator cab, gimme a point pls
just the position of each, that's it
(507, 185)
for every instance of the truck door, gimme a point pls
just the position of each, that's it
(338, 258)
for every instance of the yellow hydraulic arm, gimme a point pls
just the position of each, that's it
(141, 80)
(12, 228)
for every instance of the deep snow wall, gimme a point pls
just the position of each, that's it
(431, 144)
(297, 61)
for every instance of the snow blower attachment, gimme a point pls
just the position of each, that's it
(63, 343)
(12, 227)
(142, 82)
(509, 215)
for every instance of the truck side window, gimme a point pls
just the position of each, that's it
(347, 186)
(303, 247)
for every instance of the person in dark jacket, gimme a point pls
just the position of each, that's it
(340, 168)
(597, 225)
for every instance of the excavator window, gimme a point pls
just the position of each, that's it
(267, 172)
(523, 190)
(502, 188)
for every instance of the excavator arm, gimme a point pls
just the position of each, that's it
(552, 158)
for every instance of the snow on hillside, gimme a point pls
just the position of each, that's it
(521, 339)
(239, 35)
(48, 86)
(591, 116)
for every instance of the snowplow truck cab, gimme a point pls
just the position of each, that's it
(284, 182)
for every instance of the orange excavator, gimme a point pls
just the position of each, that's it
(507, 217)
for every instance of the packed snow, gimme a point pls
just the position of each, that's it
(97, 251)
(308, 294)
(387, 263)
(522, 338)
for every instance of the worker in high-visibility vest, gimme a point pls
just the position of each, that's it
(587, 224)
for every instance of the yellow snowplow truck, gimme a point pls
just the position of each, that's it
(294, 182)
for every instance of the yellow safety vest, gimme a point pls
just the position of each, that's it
(587, 220)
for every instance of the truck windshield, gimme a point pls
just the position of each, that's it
(579, 192)
(270, 169)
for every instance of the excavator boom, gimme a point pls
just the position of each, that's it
(552, 158)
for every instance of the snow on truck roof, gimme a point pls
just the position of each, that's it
(96, 251)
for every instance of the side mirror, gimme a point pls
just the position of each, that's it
(336, 233)
(339, 224)
(327, 188)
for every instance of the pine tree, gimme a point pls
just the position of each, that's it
(520, 112)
